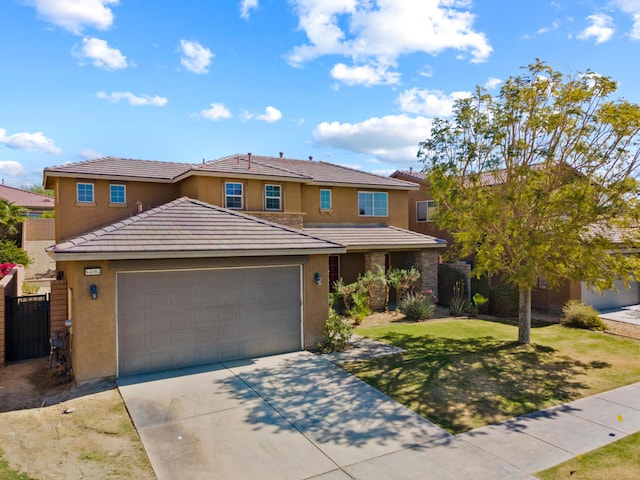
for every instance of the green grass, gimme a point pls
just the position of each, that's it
(7, 473)
(464, 374)
(617, 461)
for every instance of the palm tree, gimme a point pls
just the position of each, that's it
(10, 216)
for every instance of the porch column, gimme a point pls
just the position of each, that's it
(426, 261)
(373, 260)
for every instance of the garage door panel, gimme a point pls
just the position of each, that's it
(177, 319)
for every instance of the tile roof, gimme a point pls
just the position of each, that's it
(24, 198)
(375, 237)
(306, 171)
(121, 167)
(191, 228)
(318, 171)
(416, 176)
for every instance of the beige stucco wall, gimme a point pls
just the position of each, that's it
(94, 321)
(73, 219)
(345, 206)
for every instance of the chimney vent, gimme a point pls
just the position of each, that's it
(139, 206)
(311, 158)
(249, 155)
(281, 154)
(410, 169)
(203, 161)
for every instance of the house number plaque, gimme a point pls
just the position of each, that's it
(92, 271)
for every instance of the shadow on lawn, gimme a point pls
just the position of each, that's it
(461, 384)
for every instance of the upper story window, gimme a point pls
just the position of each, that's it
(325, 199)
(233, 195)
(117, 194)
(85, 193)
(272, 197)
(426, 210)
(373, 204)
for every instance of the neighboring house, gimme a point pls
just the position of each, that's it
(420, 210)
(36, 233)
(170, 264)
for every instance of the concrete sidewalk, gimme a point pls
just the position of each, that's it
(299, 416)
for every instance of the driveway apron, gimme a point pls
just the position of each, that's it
(293, 416)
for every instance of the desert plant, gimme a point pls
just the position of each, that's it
(30, 289)
(360, 306)
(417, 307)
(344, 291)
(336, 334)
(447, 278)
(11, 253)
(576, 314)
(458, 304)
(403, 281)
(479, 300)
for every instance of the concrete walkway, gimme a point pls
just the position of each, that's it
(299, 416)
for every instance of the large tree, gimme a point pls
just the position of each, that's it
(538, 181)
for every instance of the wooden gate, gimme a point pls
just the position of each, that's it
(27, 327)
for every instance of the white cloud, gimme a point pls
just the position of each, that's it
(270, 115)
(134, 100)
(492, 82)
(246, 6)
(378, 33)
(90, 154)
(101, 54)
(29, 141)
(215, 112)
(12, 168)
(632, 7)
(429, 102)
(601, 28)
(75, 15)
(195, 57)
(393, 138)
(366, 75)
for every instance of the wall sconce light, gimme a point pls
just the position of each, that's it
(93, 289)
(318, 278)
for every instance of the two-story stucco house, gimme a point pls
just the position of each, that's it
(172, 264)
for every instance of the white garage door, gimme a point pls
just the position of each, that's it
(610, 298)
(174, 319)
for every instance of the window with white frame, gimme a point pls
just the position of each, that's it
(325, 199)
(273, 197)
(117, 194)
(85, 193)
(426, 210)
(373, 204)
(233, 195)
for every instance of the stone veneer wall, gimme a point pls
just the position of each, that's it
(292, 220)
(426, 261)
(373, 260)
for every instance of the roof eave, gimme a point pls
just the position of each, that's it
(98, 176)
(393, 246)
(365, 185)
(249, 175)
(156, 255)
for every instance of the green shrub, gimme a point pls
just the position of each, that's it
(479, 302)
(576, 314)
(360, 306)
(417, 307)
(336, 334)
(503, 301)
(11, 253)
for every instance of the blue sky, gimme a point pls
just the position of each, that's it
(354, 82)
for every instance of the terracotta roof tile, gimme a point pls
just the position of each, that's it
(122, 167)
(187, 227)
(24, 198)
(375, 236)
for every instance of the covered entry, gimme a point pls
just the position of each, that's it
(178, 318)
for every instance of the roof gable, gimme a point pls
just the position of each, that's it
(191, 228)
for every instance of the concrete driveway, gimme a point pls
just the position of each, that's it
(293, 416)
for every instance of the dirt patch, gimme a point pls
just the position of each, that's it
(52, 429)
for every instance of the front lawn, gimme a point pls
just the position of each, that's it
(464, 373)
(617, 461)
